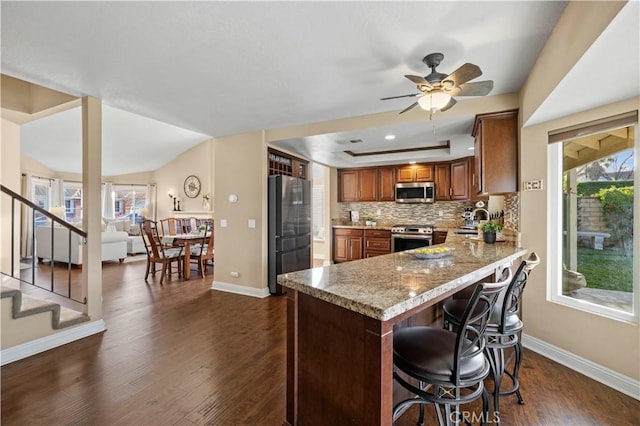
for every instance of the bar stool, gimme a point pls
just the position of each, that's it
(449, 367)
(503, 330)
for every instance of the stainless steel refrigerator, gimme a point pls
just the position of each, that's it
(289, 227)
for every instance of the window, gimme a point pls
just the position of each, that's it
(593, 219)
(129, 200)
(318, 212)
(73, 201)
(41, 196)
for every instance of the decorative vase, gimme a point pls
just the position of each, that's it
(489, 237)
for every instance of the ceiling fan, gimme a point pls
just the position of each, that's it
(436, 90)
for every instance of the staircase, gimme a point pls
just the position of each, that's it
(23, 306)
(30, 325)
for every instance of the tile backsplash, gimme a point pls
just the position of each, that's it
(444, 214)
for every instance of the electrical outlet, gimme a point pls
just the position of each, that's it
(235, 274)
(378, 212)
(532, 185)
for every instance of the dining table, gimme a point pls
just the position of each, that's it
(185, 240)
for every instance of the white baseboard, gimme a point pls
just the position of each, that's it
(240, 289)
(326, 263)
(318, 256)
(597, 372)
(60, 338)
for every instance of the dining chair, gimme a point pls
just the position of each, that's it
(170, 226)
(157, 253)
(202, 252)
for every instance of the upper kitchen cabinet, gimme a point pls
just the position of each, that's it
(496, 152)
(366, 184)
(287, 165)
(415, 173)
(453, 180)
(357, 185)
(386, 184)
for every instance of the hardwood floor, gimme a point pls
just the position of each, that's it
(182, 354)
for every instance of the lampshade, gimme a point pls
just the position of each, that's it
(144, 212)
(434, 100)
(57, 211)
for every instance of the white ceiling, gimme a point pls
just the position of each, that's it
(222, 68)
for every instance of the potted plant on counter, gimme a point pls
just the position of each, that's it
(369, 221)
(489, 230)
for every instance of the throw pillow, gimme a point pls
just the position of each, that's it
(134, 230)
(111, 227)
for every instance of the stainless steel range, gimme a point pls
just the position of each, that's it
(407, 237)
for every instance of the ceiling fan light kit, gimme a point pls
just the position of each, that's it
(436, 90)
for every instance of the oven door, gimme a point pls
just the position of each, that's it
(402, 242)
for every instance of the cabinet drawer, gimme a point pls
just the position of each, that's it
(381, 244)
(377, 233)
(348, 232)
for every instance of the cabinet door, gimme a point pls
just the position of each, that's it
(477, 148)
(387, 184)
(425, 173)
(439, 237)
(405, 174)
(348, 182)
(443, 181)
(355, 248)
(367, 185)
(340, 248)
(460, 179)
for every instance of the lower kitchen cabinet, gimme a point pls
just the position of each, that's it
(376, 242)
(347, 244)
(439, 237)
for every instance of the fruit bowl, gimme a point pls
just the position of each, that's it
(430, 252)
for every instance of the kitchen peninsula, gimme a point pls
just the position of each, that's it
(340, 322)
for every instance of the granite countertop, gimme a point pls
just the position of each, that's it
(384, 287)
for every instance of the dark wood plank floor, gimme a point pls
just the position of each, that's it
(182, 354)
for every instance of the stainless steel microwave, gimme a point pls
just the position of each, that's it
(415, 192)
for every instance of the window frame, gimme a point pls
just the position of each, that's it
(554, 240)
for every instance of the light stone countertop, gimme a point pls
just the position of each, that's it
(384, 287)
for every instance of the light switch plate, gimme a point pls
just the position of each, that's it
(251, 223)
(223, 223)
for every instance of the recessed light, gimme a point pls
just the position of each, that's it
(390, 137)
(412, 162)
(471, 148)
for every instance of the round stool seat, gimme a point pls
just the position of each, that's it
(428, 353)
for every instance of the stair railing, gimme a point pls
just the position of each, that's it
(56, 222)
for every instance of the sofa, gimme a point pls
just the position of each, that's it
(114, 245)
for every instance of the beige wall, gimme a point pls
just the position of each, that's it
(197, 161)
(10, 173)
(241, 169)
(610, 343)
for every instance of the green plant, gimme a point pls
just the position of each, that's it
(617, 208)
(368, 218)
(490, 226)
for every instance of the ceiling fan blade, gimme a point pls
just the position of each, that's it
(479, 88)
(465, 73)
(401, 96)
(413, 105)
(451, 103)
(420, 81)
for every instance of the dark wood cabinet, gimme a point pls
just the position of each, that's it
(387, 184)
(460, 179)
(347, 244)
(415, 173)
(496, 152)
(452, 180)
(376, 242)
(357, 185)
(366, 184)
(283, 164)
(442, 181)
(439, 237)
